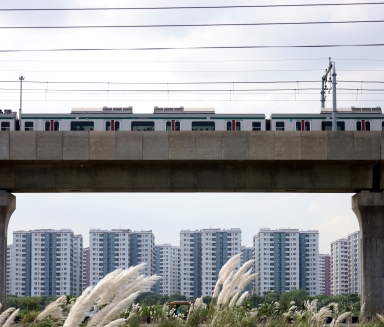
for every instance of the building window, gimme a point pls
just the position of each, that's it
(28, 126)
(327, 126)
(112, 125)
(82, 125)
(51, 125)
(140, 126)
(233, 125)
(172, 125)
(303, 125)
(363, 125)
(256, 126)
(5, 126)
(280, 126)
(203, 126)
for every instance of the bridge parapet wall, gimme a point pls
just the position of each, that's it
(189, 146)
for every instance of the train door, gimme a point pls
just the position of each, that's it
(51, 125)
(303, 125)
(233, 125)
(172, 125)
(112, 125)
(363, 125)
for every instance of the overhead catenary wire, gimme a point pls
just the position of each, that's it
(186, 71)
(192, 25)
(190, 82)
(222, 47)
(198, 7)
(188, 61)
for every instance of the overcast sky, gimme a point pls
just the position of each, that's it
(166, 214)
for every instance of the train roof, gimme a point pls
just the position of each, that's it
(182, 110)
(7, 113)
(353, 110)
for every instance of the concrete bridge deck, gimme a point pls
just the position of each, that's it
(191, 161)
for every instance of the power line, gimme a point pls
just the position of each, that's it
(187, 61)
(195, 7)
(200, 48)
(167, 61)
(98, 91)
(168, 71)
(184, 100)
(190, 83)
(192, 25)
(187, 71)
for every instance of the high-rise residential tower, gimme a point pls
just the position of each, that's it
(203, 253)
(286, 259)
(86, 268)
(354, 270)
(9, 268)
(167, 264)
(44, 262)
(325, 274)
(246, 255)
(339, 267)
(120, 248)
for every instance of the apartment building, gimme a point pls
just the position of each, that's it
(246, 255)
(203, 253)
(44, 261)
(86, 267)
(339, 267)
(354, 269)
(286, 259)
(77, 264)
(325, 274)
(120, 248)
(167, 263)
(9, 268)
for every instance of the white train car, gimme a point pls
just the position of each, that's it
(7, 120)
(123, 119)
(350, 119)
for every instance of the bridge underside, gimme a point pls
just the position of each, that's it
(192, 176)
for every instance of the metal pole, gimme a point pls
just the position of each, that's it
(324, 83)
(21, 78)
(322, 93)
(334, 105)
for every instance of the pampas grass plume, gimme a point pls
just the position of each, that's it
(116, 323)
(380, 317)
(5, 315)
(242, 298)
(11, 319)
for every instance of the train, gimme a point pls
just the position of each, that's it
(190, 119)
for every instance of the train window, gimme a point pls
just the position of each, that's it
(5, 125)
(382, 126)
(280, 126)
(82, 126)
(28, 126)
(303, 125)
(112, 125)
(327, 126)
(233, 125)
(172, 125)
(256, 126)
(143, 126)
(51, 125)
(363, 125)
(203, 125)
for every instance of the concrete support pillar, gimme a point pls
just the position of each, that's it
(369, 209)
(7, 207)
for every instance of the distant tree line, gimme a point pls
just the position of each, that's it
(346, 302)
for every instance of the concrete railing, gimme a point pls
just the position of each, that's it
(186, 146)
